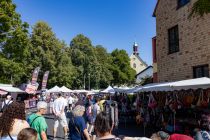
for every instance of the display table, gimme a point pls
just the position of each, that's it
(30, 103)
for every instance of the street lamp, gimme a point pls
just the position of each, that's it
(84, 81)
(89, 80)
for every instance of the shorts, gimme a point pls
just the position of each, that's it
(62, 120)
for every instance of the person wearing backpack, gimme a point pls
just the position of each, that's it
(6, 102)
(38, 122)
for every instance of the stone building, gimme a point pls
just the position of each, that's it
(182, 45)
(135, 60)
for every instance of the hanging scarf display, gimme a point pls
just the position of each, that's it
(152, 102)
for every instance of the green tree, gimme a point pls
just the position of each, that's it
(84, 59)
(201, 7)
(14, 44)
(121, 70)
(50, 54)
(104, 73)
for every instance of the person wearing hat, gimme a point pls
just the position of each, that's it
(6, 102)
(38, 122)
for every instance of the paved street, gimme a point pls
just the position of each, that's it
(128, 128)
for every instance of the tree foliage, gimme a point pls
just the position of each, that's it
(49, 53)
(14, 44)
(74, 65)
(201, 7)
(121, 70)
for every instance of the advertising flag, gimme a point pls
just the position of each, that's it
(44, 80)
(35, 75)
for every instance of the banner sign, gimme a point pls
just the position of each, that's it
(35, 75)
(44, 80)
(31, 89)
(3, 92)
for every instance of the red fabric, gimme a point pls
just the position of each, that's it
(180, 137)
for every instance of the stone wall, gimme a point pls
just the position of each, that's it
(194, 41)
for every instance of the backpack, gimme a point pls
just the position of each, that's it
(5, 106)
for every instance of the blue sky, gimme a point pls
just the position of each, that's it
(110, 23)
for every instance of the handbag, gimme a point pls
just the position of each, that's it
(199, 101)
(204, 103)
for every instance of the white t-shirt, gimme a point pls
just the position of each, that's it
(70, 100)
(96, 110)
(65, 101)
(59, 105)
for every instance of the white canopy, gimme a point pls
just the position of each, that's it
(121, 89)
(81, 91)
(65, 89)
(158, 87)
(55, 89)
(108, 90)
(91, 93)
(197, 83)
(203, 83)
(4, 88)
(133, 89)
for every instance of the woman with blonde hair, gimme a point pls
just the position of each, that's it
(77, 126)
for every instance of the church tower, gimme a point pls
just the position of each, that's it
(135, 60)
(135, 49)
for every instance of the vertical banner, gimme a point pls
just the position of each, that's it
(35, 76)
(44, 80)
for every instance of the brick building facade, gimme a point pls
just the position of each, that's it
(182, 47)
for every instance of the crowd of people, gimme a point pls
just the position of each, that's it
(82, 118)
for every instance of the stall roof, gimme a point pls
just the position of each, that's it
(197, 83)
(65, 89)
(55, 89)
(158, 87)
(109, 89)
(81, 91)
(10, 88)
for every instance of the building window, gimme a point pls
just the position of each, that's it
(201, 71)
(134, 65)
(182, 3)
(173, 39)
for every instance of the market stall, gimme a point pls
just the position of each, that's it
(16, 93)
(109, 89)
(174, 106)
(65, 90)
(55, 89)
